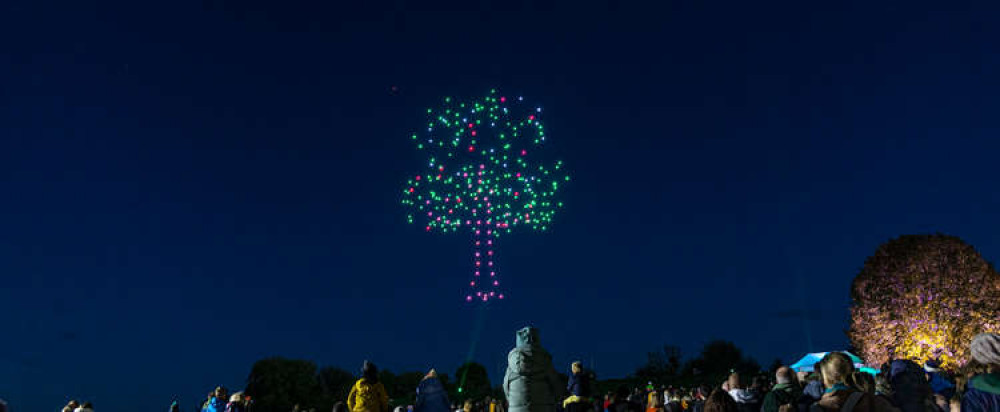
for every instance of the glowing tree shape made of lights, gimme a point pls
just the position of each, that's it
(487, 172)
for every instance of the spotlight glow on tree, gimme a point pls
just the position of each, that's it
(923, 297)
(487, 173)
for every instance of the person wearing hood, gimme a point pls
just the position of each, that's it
(836, 368)
(368, 394)
(530, 383)
(983, 390)
(431, 395)
(785, 392)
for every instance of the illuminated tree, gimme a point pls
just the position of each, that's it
(486, 173)
(923, 297)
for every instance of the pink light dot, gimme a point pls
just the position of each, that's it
(491, 293)
(493, 273)
(532, 117)
(523, 152)
(491, 263)
(470, 125)
(482, 166)
(428, 228)
(472, 283)
(418, 177)
(469, 298)
(473, 132)
(411, 190)
(496, 283)
(501, 296)
(503, 99)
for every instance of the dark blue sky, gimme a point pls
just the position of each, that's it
(189, 188)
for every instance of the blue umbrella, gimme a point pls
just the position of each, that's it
(806, 364)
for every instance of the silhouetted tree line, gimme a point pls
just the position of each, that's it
(715, 362)
(278, 384)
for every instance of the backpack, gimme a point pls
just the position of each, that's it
(783, 397)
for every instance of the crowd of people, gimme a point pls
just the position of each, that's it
(531, 384)
(217, 401)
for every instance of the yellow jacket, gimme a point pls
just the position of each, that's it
(367, 397)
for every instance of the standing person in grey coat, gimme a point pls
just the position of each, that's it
(531, 383)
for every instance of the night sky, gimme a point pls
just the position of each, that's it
(188, 188)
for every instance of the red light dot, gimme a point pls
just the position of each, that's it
(472, 148)
(418, 177)
(470, 125)
(532, 117)
(503, 99)
(411, 190)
